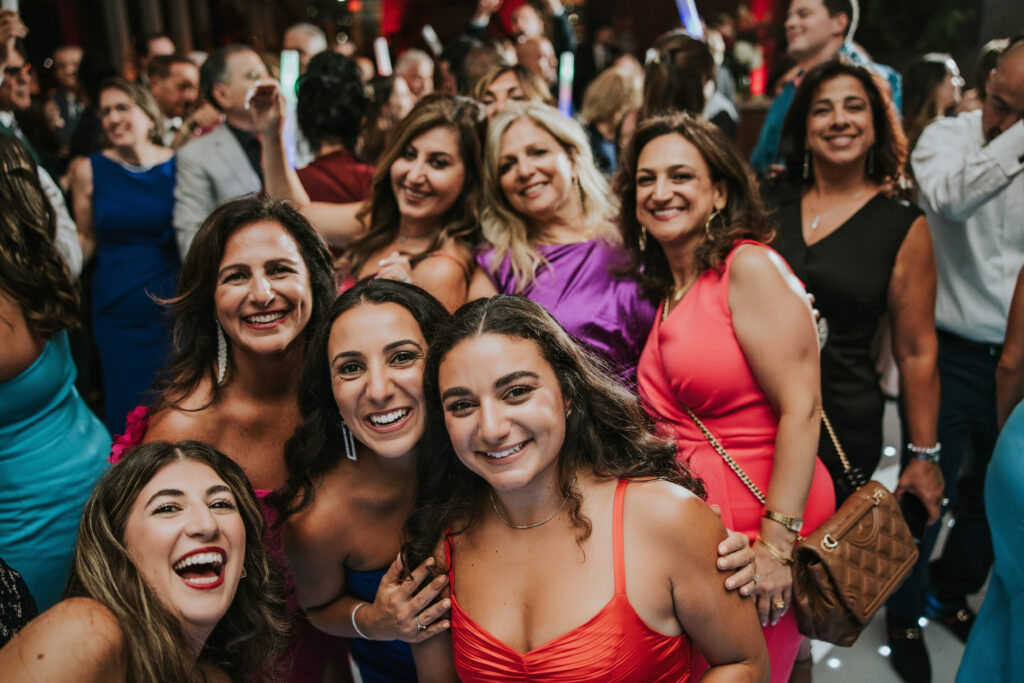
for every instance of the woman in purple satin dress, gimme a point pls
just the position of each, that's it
(547, 216)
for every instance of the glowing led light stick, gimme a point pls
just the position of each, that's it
(690, 17)
(380, 52)
(566, 71)
(289, 77)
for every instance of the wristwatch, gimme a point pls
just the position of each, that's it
(794, 524)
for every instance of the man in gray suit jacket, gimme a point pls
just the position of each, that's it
(225, 163)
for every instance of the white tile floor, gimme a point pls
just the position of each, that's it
(865, 661)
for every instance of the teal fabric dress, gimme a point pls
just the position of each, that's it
(995, 648)
(52, 451)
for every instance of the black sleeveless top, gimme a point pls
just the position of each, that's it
(848, 272)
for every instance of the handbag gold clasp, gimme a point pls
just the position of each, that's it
(878, 495)
(829, 542)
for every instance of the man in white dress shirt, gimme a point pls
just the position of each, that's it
(970, 172)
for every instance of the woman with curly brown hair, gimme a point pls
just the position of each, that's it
(52, 447)
(733, 349)
(171, 580)
(577, 547)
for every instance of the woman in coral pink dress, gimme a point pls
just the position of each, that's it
(734, 341)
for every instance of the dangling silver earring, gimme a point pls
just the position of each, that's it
(807, 165)
(349, 440)
(222, 353)
(244, 573)
(707, 223)
(643, 238)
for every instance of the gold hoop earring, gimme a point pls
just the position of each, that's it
(707, 223)
(643, 238)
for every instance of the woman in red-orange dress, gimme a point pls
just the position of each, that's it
(734, 340)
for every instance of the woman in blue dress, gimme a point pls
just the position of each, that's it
(123, 201)
(52, 448)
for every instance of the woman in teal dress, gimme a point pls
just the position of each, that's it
(52, 448)
(994, 651)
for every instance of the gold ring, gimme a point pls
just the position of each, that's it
(779, 604)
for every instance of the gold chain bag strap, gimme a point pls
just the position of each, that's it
(848, 567)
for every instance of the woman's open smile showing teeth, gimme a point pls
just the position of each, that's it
(389, 418)
(202, 568)
(264, 319)
(498, 455)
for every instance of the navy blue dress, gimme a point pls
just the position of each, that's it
(136, 259)
(379, 661)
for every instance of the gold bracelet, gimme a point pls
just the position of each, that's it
(775, 552)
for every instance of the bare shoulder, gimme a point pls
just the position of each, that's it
(321, 523)
(758, 262)
(76, 640)
(178, 424)
(671, 515)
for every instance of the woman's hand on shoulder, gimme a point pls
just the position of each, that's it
(406, 606)
(78, 640)
(736, 559)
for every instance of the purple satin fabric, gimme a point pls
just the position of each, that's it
(599, 308)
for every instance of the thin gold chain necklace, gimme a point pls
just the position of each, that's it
(494, 504)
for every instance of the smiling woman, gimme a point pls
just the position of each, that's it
(351, 484)
(255, 284)
(542, 475)
(171, 580)
(421, 222)
(123, 201)
(548, 218)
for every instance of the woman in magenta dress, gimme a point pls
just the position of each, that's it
(255, 284)
(734, 340)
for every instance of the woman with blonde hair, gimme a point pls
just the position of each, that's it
(506, 83)
(612, 96)
(548, 216)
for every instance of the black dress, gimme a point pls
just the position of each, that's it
(848, 273)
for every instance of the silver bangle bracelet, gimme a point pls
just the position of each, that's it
(355, 625)
(921, 450)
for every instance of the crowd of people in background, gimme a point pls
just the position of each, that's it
(273, 377)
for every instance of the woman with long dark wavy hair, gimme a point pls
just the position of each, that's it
(421, 221)
(171, 581)
(574, 542)
(733, 347)
(52, 447)
(255, 285)
(351, 483)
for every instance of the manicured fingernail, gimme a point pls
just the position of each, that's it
(730, 584)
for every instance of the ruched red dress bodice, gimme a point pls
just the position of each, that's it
(614, 646)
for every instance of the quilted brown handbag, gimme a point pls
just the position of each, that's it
(847, 568)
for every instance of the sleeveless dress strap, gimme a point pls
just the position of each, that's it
(618, 541)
